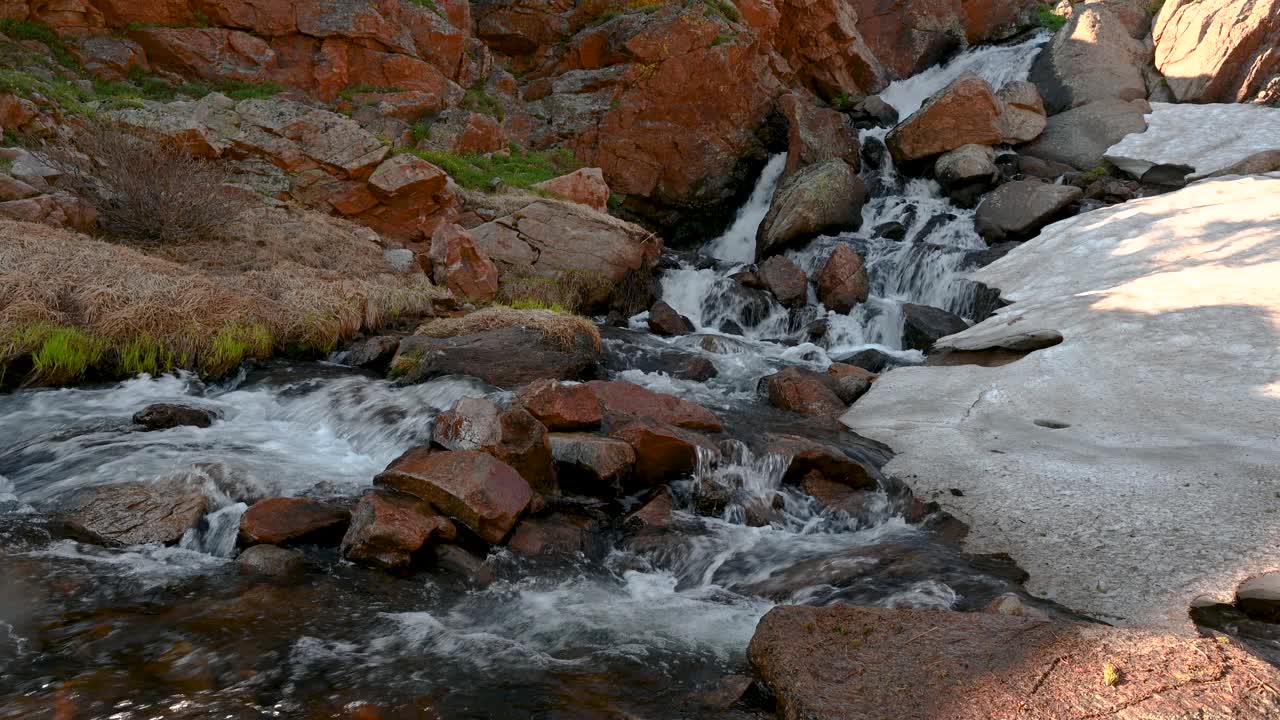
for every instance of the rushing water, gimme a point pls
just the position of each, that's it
(636, 625)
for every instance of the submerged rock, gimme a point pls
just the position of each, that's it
(283, 520)
(824, 198)
(389, 528)
(135, 513)
(271, 560)
(505, 357)
(163, 416)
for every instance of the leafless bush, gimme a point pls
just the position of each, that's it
(145, 188)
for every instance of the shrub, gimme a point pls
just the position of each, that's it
(1048, 19)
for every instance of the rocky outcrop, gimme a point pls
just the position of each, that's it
(824, 198)
(821, 41)
(1081, 136)
(135, 513)
(585, 187)
(1017, 210)
(284, 520)
(388, 529)
(1219, 51)
(908, 37)
(842, 281)
(963, 113)
(513, 436)
(459, 265)
(1093, 58)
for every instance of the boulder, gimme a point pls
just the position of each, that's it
(561, 407)
(808, 457)
(460, 266)
(478, 490)
(665, 321)
(909, 37)
(623, 400)
(842, 281)
(823, 198)
(1093, 58)
(870, 359)
(505, 357)
(803, 391)
(821, 40)
(852, 382)
(109, 57)
(1259, 598)
(373, 353)
(1219, 51)
(663, 452)
(785, 280)
(163, 416)
(966, 172)
(271, 560)
(923, 325)
(654, 514)
(406, 175)
(872, 112)
(1080, 137)
(135, 513)
(833, 662)
(513, 436)
(1022, 113)
(1017, 210)
(285, 520)
(389, 528)
(591, 464)
(816, 134)
(554, 534)
(585, 187)
(963, 113)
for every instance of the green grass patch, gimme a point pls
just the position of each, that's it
(520, 169)
(722, 39)
(536, 304)
(1048, 19)
(29, 30)
(725, 9)
(477, 100)
(60, 91)
(421, 131)
(235, 344)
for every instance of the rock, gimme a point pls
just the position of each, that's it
(1173, 142)
(1012, 605)
(478, 490)
(163, 416)
(554, 534)
(654, 515)
(842, 281)
(109, 57)
(1080, 137)
(1092, 59)
(1166, 176)
(891, 230)
(459, 265)
(406, 175)
(873, 112)
(373, 353)
(963, 113)
(388, 529)
(585, 187)
(966, 172)
(457, 561)
(886, 657)
(488, 355)
(135, 513)
(1017, 210)
(590, 464)
(561, 407)
(823, 461)
(622, 400)
(1256, 164)
(852, 382)
(1219, 52)
(824, 198)
(513, 436)
(271, 560)
(785, 280)
(663, 452)
(1022, 113)
(1043, 169)
(870, 359)
(546, 238)
(835, 496)
(922, 326)
(822, 41)
(665, 321)
(12, 188)
(285, 520)
(803, 391)
(816, 134)
(1259, 598)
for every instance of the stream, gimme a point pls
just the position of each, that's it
(627, 628)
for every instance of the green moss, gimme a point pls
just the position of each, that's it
(62, 92)
(722, 39)
(520, 169)
(60, 354)
(477, 100)
(1048, 19)
(1153, 7)
(1093, 175)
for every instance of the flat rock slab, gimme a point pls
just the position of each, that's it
(849, 663)
(135, 513)
(1208, 138)
(1133, 466)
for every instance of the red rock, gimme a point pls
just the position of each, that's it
(820, 39)
(785, 280)
(12, 188)
(656, 514)
(513, 436)
(1220, 51)
(16, 112)
(283, 520)
(562, 407)
(831, 463)
(109, 57)
(585, 187)
(590, 464)
(554, 534)
(388, 528)
(803, 391)
(663, 452)
(480, 491)
(835, 496)
(664, 320)
(965, 112)
(407, 106)
(459, 265)
(816, 133)
(622, 400)
(480, 134)
(210, 53)
(842, 281)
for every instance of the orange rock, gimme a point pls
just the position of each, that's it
(211, 53)
(622, 400)
(821, 41)
(964, 112)
(461, 266)
(585, 187)
(480, 134)
(403, 175)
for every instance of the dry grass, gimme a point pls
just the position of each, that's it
(284, 280)
(569, 291)
(563, 328)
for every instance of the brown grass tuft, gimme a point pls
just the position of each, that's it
(561, 327)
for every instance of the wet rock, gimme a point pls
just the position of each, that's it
(1018, 210)
(891, 230)
(816, 134)
(728, 692)
(163, 416)
(554, 534)
(135, 513)
(285, 520)
(1022, 113)
(591, 464)
(654, 515)
(688, 367)
(711, 497)
(966, 172)
(785, 280)
(388, 529)
(1259, 598)
(872, 112)
(665, 321)
(836, 496)
(852, 382)
(478, 490)
(505, 357)
(827, 461)
(271, 560)
(1080, 137)
(457, 561)
(823, 199)
(923, 325)
(585, 187)
(1044, 169)
(1012, 605)
(622, 400)
(1222, 52)
(460, 266)
(963, 113)
(870, 359)
(373, 353)
(513, 436)
(1092, 59)
(561, 407)
(842, 281)
(803, 391)
(886, 658)
(663, 452)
